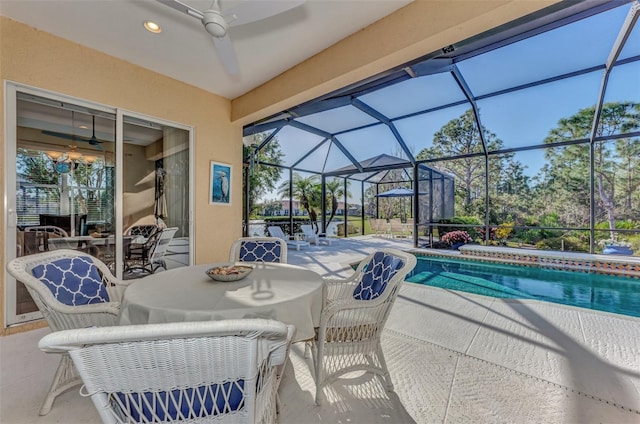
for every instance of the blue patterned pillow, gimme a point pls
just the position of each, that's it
(168, 406)
(376, 275)
(73, 281)
(260, 251)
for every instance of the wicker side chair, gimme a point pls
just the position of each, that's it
(205, 371)
(354, 313)
(72, 290)
(258, 249)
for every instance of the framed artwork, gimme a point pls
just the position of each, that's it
(220, 184)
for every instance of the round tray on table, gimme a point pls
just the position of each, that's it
(229, 273)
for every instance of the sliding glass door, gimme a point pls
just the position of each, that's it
(87, 177)
(156, 196)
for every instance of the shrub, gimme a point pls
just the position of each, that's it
(455, 237)
(283, 222)
(448, 225)
(504, 231)
(529, 236)
(570, 244)
(482, 233)
(351, 229)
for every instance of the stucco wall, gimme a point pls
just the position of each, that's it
(32, 57)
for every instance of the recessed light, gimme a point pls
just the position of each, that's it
(152, 27)
(84, 127)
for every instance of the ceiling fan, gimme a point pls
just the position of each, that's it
(217, 22)
(94, 141)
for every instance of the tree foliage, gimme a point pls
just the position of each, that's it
(307, 191)
(615, 170)
(334, 190)
(558, 195)
(460, 138)
(262, 179)
(84, 184)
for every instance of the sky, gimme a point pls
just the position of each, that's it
(519, 118)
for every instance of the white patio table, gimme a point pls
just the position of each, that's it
(287, 293)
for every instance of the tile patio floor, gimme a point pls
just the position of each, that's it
(454, 358)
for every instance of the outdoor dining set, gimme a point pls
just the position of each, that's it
(211, 341)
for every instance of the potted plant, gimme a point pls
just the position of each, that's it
(455, 239)
(615, 247)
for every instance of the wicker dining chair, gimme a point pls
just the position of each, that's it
(143, 231)
(204, 371)
(148, 257)
(72, 290)
(258, 249)
(354, 313)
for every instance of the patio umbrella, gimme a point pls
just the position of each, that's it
(396, 192)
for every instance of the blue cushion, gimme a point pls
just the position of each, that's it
(167, 407)
(375, 276)
(73, 281)
(260, 251)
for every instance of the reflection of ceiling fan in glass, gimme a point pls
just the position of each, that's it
(93, 140)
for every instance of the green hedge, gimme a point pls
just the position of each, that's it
(283, 222)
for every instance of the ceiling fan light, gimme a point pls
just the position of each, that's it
(215, 23)
(73, 155)
(152, 27)
(89, 159)
(54, 155)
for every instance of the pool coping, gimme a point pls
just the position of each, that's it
(565, 261)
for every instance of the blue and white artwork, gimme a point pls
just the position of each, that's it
(220, 186)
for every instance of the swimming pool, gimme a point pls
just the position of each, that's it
(620, 295)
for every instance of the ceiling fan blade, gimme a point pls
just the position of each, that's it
(250, 11)
(93, 141)
(227, 54)
(184, 8)
(62, 135)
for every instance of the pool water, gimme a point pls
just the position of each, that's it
(620, 295)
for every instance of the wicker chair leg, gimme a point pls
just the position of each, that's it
(65, 378)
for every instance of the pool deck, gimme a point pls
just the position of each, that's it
(454, 357)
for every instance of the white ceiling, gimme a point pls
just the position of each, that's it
(185, 51)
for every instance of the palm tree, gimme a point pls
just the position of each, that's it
(307, 191)
(335, 189)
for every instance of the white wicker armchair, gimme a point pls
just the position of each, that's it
(354, 314)
(64, 304)
(205, 371)
(258, 249)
